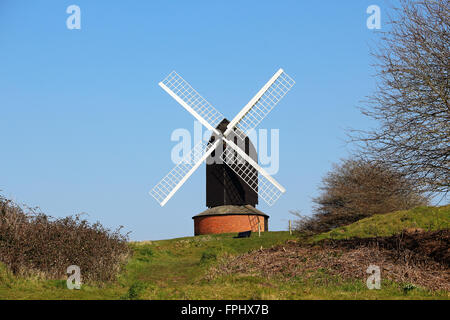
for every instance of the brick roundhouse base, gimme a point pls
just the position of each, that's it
(229, 219)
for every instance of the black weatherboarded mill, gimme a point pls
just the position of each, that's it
(223, 185)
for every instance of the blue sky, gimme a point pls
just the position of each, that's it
(85, 127)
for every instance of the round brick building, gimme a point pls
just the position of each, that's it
(230, 218)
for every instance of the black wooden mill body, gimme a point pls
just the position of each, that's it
(223, 185)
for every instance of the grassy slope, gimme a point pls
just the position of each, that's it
(175, 269)
(427, 218)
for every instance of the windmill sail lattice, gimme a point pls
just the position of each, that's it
(266, 189)
(247, 119)
(183, 90)
(261, 105)
(168, 185)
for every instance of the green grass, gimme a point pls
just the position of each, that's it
(426, 218)
(175, 269)
(165, 269)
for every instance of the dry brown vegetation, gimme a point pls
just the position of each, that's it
(33, 243)
(419, 258)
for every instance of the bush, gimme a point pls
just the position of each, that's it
(34, 243)
(357, 189)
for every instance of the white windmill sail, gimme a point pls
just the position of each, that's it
(261, 104)
(245, 167)
(173, 181)
(246, 120)
(191, 100)
(203, 111)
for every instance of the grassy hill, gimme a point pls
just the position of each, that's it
(424, 218)
(180, 269)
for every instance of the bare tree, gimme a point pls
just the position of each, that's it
(411, 102)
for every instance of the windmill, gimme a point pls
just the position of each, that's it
(233, 189)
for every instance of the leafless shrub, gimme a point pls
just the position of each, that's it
(32, 242)
(357, 189)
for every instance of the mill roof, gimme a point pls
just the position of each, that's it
(231, 210)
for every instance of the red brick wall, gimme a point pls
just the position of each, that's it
(228, 223)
